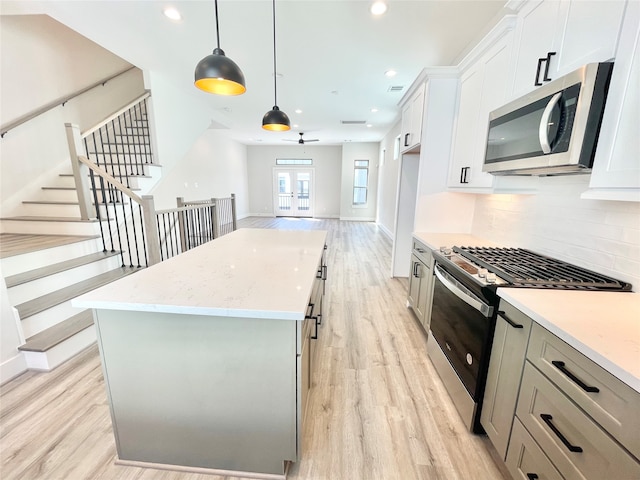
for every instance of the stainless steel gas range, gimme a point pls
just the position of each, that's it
(465, 306)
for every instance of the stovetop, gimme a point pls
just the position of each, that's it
(518, 267)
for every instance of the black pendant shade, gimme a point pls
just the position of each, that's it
(217, 73)
(275, 119)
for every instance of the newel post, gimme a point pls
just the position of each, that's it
(80, 171)
(233, 210)
(151, 229)
(181, 224)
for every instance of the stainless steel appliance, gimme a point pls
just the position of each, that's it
(465, 307)
(553, 130)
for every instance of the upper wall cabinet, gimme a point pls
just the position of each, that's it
(483, 86)
(555, 37)
(412, 112)
(616, 167)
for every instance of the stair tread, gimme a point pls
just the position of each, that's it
(57, 297)
(42, 272)
(12, 244)
(58, 333)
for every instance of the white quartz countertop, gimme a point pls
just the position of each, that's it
(603, 326)
(251, 273)
(437, 240)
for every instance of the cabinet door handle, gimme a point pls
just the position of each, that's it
(546, 418)
(315, 334)
(537, 81)
(324, 272)
(532, 476)
(319, 319)
(561, 366)
(406, 139)
(508, 320)
(463, 174)
(546, 78)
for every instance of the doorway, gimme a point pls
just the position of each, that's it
(293, 192)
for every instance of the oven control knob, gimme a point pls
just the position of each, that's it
(491, 278)
(482, 272)
(469, 359)
(446, 251)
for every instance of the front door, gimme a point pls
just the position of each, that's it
(293, 192)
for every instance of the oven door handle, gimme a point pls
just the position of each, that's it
(467, 297)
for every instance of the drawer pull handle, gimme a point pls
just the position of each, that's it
(560, 366)
(546, 418)
(315, 335)
(508, 320)
(532, 476)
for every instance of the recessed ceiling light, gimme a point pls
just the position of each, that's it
(295, 125)
(172, 14)
(378, 8)
(369, 125)
(298, 110)
(390, 73)
(374, 110)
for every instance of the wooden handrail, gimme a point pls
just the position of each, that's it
(60, 101)
(115, 115)
(101, 173)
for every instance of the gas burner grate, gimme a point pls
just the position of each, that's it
(524, 268)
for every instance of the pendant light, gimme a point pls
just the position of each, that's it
(275, 119)
(217, 73)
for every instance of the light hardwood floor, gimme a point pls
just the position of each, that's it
(378, 410)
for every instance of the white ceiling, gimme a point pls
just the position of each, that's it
(332, 54)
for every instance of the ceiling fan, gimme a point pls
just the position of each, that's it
(301, 140)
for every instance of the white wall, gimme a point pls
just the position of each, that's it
(327, 162)
(388, 182)
(603, 236)
(350, 153)
(214, 167)
(42, 61)
(12, 361)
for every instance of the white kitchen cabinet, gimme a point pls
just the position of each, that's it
(616, 167)
(482, 89)
(412, 112)
(505, 371)
(578, 31)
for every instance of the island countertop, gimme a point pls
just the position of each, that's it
(250, 273)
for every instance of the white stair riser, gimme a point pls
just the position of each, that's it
(48, 318)
(49, 210)
(37, 288)
(41, 258)
(49, 228)
(46, 361)
(58, 195)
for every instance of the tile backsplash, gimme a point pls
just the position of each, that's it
(603, 236)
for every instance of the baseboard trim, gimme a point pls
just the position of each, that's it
(13, 367)
(358, 219)
(209, 471)
(386, 231)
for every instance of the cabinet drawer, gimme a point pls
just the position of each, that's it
(614, 406)
(525, 460)
(423, 252)
(576, 445)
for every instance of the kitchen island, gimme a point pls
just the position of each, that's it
(207, 357)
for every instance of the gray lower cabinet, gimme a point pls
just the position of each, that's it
(505, 371)
(573, 419)
(421, 283)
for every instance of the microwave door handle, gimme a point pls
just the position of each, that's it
(466, 298)
(543, 134)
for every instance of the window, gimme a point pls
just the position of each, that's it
(294, 161)
(360, 182)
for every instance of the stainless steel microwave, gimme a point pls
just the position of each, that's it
(552, 130)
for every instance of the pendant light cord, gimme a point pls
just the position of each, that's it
(217, 27)
(275, 75)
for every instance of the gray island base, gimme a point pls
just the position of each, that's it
(214, 393)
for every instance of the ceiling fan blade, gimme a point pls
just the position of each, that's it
(290, 140)
(311, 140)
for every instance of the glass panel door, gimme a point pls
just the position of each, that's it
(293, 192)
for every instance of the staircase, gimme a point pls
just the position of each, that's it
(49, 255)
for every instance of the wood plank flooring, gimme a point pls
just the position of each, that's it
(378, 410)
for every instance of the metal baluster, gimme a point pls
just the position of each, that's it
(135, 230)
(97, 207)
(158, 225)
(144, 236)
